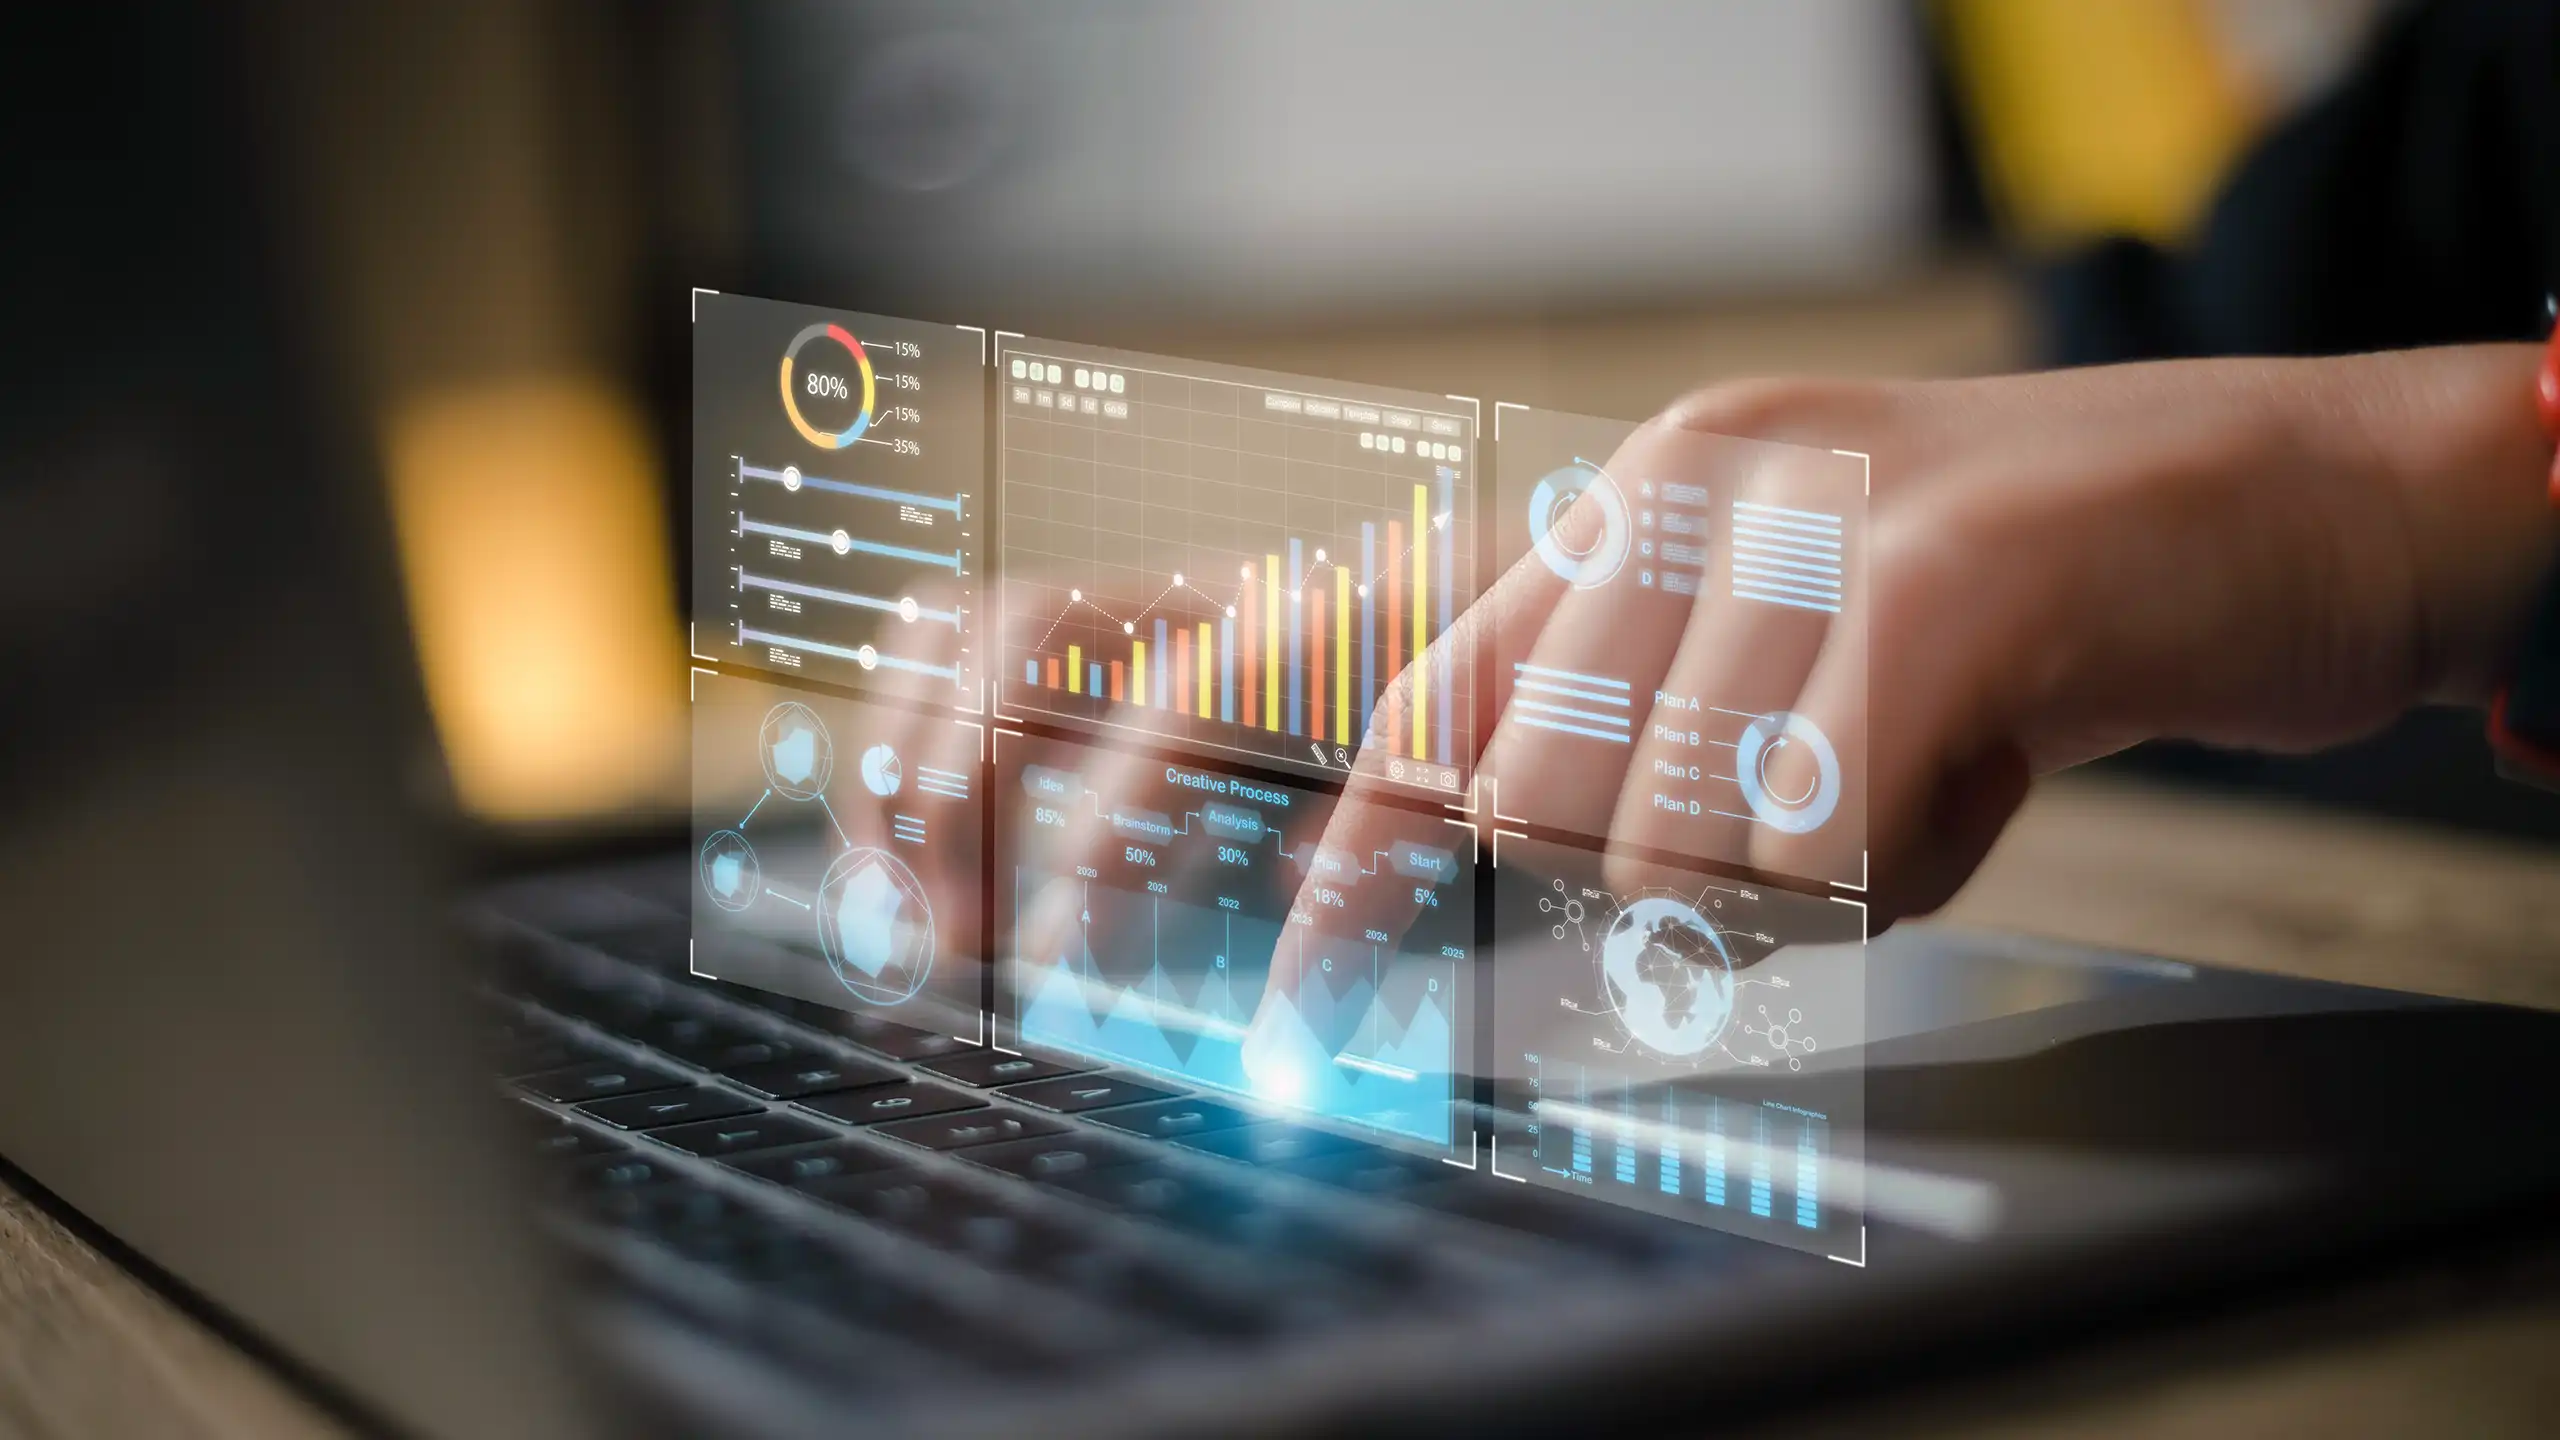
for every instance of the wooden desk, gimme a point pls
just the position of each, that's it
(86, 1350)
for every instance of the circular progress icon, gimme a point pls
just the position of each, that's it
(1585, 561)
(822, 384)
(1793, 805)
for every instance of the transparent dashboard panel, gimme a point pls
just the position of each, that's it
(836, 463)
(1677, 637)
(1680, 1043)
(839, 851)
(1211, 927)
(1256, 566)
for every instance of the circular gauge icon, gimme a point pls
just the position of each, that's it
(1587, 555)
(798, 757)
(827, 386)
(1783, 790)
(730, 874)
(875, 926)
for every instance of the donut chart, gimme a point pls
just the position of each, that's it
(1809, 801)
(826, 384)
(1584, 561)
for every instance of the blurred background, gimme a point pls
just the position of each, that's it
(1592, 207)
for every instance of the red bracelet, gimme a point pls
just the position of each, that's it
(2546, 398)
(2525, 746)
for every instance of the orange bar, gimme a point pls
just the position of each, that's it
(1315, 664)
(1115, 680)
(1182, 671)
(1246, 631)
(1053, 672)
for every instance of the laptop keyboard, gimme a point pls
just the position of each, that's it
(896, 1207)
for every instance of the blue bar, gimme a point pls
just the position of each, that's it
(1808, 1179)
(1670, 1146)
(1297, 582)
(1368, 622)
(1162, 669)
(1715, 1152)
(1448, 542)
(1030, 672)
(1760, 1165)
(1093, 677)
(874, 492)
(1227, 668)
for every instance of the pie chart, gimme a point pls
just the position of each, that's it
(880, 772)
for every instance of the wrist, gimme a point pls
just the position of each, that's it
(2459, 438)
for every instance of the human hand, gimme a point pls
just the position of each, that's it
(2270, 553)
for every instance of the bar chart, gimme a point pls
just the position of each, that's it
(1252, 564)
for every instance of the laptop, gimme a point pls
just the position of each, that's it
(864, 1108)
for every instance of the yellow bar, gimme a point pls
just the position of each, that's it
(1075, 669)
(1138, 671)
(1341, 657)
(1271, 642)
(1202, 665)
(1421, 608)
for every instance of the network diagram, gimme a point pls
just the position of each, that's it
(868, 914)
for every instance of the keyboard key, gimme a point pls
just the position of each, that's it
(567, 1142)
(529, 1053)
(1370, 1171)
(715, 1138)
(1090, 1092)
(905, 1042)
(1050, 1159)
(983, 1068)
(879, 1104)
(712, 1044)
(965, 1128)
(811, 1075)
(1175, 1119)
(804, 1163)
(600, 1079)
(616, 1172)
(1269, 1143)
(661, 1108)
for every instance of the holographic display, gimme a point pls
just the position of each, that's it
(1675, 671)
(836, 523)
(1237, 562)
(1191, 922)
(1680, 1043)
(847, 884)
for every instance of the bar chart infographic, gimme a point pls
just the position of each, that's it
(1682, 1044)
(835, 514)
(1238, 562)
